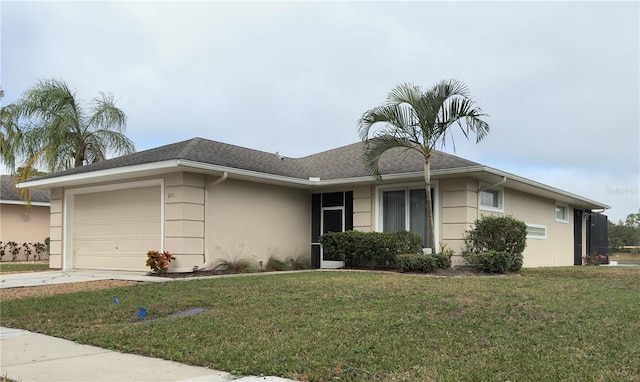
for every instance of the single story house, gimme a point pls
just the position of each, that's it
(19, 221)
(206, 201)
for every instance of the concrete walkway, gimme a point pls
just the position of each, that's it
(33, 357)
(30, 279)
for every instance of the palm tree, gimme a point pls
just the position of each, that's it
(417, 119)
(60, 134)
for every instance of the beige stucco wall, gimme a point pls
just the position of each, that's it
(16, 226)
(184, 219)
(254, 221)
(458, 210)
(56, 229)
(363, 208)
(557, 248)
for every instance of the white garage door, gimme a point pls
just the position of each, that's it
(115, 229)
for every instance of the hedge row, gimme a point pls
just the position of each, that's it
(370, 249)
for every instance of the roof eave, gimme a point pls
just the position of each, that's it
(24, 203)
(100, 175)
(480, 172)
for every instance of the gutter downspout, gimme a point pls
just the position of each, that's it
(206, 264)
(480, 189)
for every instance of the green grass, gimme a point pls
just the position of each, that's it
(625, 258)
(571, 324)
(23, 267)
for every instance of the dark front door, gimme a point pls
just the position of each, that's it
(577, 237)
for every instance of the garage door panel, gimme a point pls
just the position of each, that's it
(115, 229)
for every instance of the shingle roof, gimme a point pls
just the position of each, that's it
(342, 162)
(8, 191)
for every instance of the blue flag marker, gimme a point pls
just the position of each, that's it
(116, 300)
(142, 313)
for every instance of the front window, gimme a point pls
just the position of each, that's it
(406, 210)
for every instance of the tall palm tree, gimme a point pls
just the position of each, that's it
(417, 119)
(59, 133)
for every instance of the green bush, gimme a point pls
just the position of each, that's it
(411, 262)
(370, 249)
(490, 261)
(423, 263)
(498, 234)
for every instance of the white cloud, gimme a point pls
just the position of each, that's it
(560, 80)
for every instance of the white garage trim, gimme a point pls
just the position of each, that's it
(69, 213)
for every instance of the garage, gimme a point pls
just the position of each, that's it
(113, 230)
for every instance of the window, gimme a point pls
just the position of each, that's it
(405, 210)
(535, 231)
(492, 200)
(562, 213)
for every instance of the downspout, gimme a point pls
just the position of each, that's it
(480, 189)
(206, 264)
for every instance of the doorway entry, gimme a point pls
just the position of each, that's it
(330, 212)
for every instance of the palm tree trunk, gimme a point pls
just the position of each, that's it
(429, 204)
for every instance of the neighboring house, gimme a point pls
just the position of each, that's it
(206, 201)
(20, 222)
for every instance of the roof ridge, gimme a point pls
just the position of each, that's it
(190, 144)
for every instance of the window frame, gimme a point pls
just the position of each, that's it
(565, 206)
(536, 237)
(500, 207)
(435, 187)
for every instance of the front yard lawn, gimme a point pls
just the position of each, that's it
(23, 267)
(578, 324)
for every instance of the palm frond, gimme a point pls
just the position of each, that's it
(375, 147)
(105, 114)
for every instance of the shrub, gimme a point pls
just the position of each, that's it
(594, 259)
(47, 244)
(300, 262)
(498, 234)
(370, 249)
(12, 248)
(490, 261)
(412, 262)
(275, 264)
(236, 265)
(27, 250)
(425, 263)
(39, 248)
(159, 261)
(443, 259)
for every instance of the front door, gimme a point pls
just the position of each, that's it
(332, 221)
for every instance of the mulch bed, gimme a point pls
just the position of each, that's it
(456, 271)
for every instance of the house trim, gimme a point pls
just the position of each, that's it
(23, 203)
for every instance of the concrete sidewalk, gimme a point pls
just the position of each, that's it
(33, 357)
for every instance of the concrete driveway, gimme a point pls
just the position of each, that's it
(30, 279)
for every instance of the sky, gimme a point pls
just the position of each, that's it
(559, 81)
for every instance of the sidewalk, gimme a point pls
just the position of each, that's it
(33, 357)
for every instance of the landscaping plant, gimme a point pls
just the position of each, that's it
(495, 244)
(159, 261)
